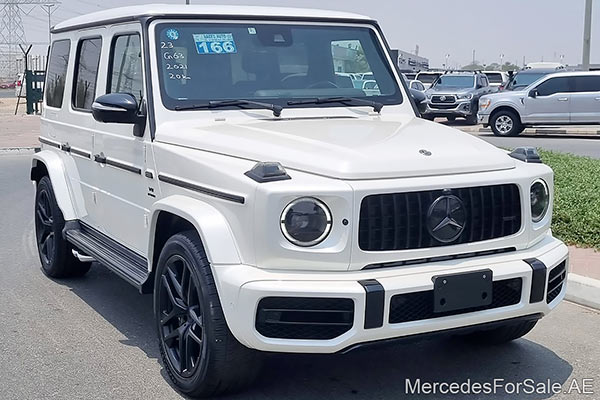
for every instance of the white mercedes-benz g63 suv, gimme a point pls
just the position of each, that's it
(218, 158)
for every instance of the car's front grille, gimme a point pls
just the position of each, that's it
(398, 221)
(418, 306)
(443, 99)
(304, 317)
(442, 106)
(556, 279)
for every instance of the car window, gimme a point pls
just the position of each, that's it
(586, 83)
(553, 86)
(86, 73)
(276, 63)
(494, 77)
(484, 81)
(125, 73)
(57, 73)
(456, 81)
(427, 78)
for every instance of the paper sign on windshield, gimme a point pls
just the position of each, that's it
(215, 43)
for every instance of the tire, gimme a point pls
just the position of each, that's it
(216, 362)
(506, 123)
(471, 119)
(451, 119)
(55, 252)
(503, 334)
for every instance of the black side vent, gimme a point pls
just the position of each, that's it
(304, 317)
(556, 279)
(419, 305)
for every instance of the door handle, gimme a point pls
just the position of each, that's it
(598, 98)
(563, 99)
(100, 158)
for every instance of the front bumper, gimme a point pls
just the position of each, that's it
(458, 109)
(483, 119)
(242, 287)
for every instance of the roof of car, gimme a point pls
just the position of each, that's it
(133, 13)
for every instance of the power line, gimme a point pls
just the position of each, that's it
(12, 31)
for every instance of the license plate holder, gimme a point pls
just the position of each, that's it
(461, 291)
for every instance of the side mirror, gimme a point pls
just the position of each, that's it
(419, 98)
(117, 108)
(534, 93)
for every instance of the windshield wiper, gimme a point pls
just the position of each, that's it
(239, 102)
(344, 100)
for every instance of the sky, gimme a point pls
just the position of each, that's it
(535, 29)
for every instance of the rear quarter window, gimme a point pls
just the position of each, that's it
(57, 73)
(86, 73)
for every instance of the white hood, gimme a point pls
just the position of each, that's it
(371, 147)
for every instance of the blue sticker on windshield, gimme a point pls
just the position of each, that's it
(215, 43)
(173, 34)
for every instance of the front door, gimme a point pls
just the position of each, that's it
(551, 104)
(125, 195)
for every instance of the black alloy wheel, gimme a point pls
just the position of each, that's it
(56, 254)
(182, 329)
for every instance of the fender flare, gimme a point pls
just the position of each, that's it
(210, 223)
(56, 171)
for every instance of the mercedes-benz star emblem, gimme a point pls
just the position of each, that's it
(446, 218)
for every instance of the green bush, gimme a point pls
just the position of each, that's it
(576, 218)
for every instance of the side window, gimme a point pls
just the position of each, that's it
(589, 83)
(553, 86)
(86, 73)
(57, 73)
(125, 70)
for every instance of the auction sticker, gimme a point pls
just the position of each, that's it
(215, 43)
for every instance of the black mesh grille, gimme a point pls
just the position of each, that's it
(447, 99)
(556, 279)
(419, 305)
(397, 221)
(304, 317)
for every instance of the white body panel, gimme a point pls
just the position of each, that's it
(338, 155)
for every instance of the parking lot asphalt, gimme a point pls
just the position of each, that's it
(93, 338)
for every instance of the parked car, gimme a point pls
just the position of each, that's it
(497, 78)
(370, 88)
(428, 77)
(556, 99)
(546, 65)
(526, 77)
(206, 155)
(417, 85)
(456, 94)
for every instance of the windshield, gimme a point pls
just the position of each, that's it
(456, 81)
(427, 78)
(271, 63)
(522, 80)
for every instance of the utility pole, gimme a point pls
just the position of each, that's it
(501, 59)
(12, 32)
(447, 57)
(48, 9)
(473, 63)
(587, 35)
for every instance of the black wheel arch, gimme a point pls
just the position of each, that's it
(38, 170)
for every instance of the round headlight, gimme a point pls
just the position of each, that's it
(306, 221)
(540, 200)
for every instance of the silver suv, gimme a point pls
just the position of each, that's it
(555, 99)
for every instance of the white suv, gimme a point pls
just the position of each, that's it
(555, 99)
(209, 156)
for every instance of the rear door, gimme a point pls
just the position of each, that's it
(551, 105)
(585, 99)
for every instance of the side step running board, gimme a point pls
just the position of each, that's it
(118, 258)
